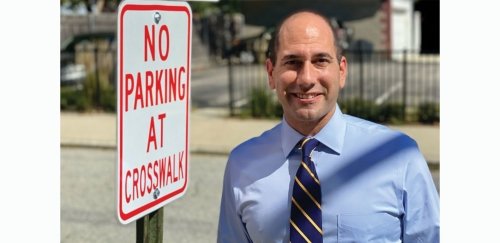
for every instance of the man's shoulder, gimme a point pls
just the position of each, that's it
(382, 139)
(256, 145)
(366, 125)
(368, 128)
(251, 159)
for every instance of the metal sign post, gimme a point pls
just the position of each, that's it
(150, 228)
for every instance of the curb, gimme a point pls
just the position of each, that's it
(93, 145)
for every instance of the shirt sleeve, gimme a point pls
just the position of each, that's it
(230, 228)
(421, 202)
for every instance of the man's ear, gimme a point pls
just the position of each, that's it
(342, 72)
(270, 78)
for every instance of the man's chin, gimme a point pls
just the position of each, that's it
(306, 115)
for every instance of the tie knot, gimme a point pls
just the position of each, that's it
(307, 145)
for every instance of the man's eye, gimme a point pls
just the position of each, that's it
(322, 61)
(292, 62)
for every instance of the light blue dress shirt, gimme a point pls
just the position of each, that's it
(375, 184)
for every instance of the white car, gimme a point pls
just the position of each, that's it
(73, 74)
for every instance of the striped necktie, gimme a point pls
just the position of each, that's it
(305, 217)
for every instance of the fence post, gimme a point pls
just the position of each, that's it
(149, 229)
(96, 70)
(361, 81)
(231, 86)
(405, 81)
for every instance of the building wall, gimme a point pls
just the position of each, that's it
(395, 26)
(370, 29)
(76, 24)
(401, 24)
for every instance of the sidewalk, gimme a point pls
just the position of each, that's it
(207, 125)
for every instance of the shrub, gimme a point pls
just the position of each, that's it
(262, 104)
(84, 99)
(392, 113)
(278, 110)
(74, 99)
(428, 113)
(360, 108)
(108, 100)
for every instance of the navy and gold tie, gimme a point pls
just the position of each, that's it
(305, 217)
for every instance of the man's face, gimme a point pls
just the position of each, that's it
(307, 75)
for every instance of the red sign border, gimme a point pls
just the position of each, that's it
(149, 7)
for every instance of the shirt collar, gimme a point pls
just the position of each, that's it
(331, 135)
(289, 137)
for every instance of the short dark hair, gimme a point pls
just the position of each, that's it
(273, 45)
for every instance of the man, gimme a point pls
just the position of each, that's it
(375, 185)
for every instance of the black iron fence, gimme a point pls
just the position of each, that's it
(403, 77)
(88, 78)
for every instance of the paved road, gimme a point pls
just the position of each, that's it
(209, 87)
(88, 206)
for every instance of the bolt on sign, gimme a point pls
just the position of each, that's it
(153, 100)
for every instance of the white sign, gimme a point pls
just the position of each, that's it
(153, 104)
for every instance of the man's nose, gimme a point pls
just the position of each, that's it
(306, 77)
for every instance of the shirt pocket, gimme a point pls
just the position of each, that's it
(375, 227)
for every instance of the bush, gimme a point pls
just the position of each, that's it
(428, 113)
(392, 113)
(108, 100)
(360, 108)
(84, 99)
(262, 104)
(74, 99)
(278, 110)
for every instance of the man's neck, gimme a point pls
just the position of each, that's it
(310, 128)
